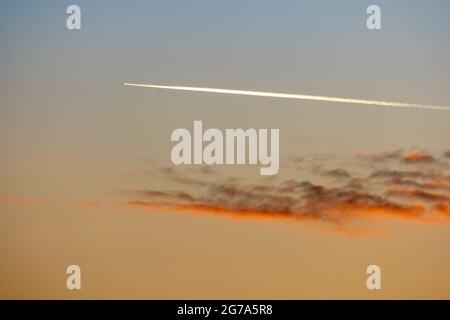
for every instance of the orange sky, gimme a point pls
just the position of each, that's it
(86, 176)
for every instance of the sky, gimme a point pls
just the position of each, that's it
(86, 176)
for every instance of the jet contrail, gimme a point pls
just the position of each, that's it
(293, 96)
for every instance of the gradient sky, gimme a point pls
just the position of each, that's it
(82, 156)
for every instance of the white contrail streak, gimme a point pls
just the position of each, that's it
(294, 96)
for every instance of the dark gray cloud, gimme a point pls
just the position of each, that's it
(402, 174)
(419, 195)
(299, 199)
(337, 173)
(431, 185)
(412, 194)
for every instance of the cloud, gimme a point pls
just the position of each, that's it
(403, 174)
(418, 157)
(212, 210)
(171, 196)
(337, 173)
(381, 156)
(442, 209)
(410, 157)
(299, 200)
(434, 184)
(342, 204)
(418, 194)
(351, 197)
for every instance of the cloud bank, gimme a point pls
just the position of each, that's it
(415, 187)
